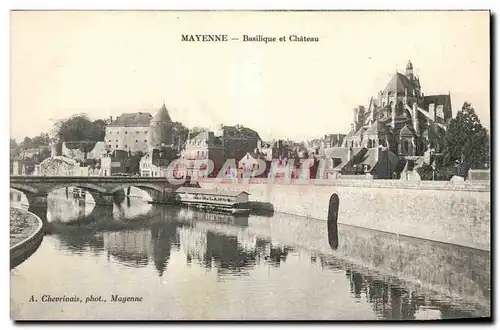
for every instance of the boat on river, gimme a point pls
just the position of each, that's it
(226, 201)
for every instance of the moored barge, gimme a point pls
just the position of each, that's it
(225, 201)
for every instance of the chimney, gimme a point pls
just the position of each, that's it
(53, 150)
(210, 138)
(432, 111)
(415, 119)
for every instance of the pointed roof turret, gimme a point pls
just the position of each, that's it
(160, 129)
(409, 66)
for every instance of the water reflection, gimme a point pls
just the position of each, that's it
(136, 235)
(393, 302)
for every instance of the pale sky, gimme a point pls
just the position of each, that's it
(108, 63)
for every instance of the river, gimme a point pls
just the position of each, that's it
(184, 264)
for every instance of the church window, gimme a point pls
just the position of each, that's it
(125, 132)
(145, 140)
(116, 146)
(125, 146)
(406, 146)
(136, 141)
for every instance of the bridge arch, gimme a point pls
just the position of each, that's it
(90, 187)
(24, 188)
(158, 192)
(143, 186)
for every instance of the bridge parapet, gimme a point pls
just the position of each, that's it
(102, 189)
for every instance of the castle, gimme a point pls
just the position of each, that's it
(401, 118)
(140, 131)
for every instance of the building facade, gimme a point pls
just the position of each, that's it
(202, 146)
(129, 132)
(157, 163)
(237, 140)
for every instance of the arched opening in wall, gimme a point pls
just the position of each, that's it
(69, 204)
(333, 213)
(132, 201)
(406, 146)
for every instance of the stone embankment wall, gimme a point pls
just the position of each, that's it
(455, 213)
(23, 247)
(450, 270)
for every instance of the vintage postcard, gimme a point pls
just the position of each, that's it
(250, 165)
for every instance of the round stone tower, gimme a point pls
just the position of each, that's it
(160, 130)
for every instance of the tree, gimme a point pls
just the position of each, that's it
(26, 144)
(466, 140)
(14, 148)
(40, 140)
(97, 130)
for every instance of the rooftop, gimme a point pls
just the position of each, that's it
(398, 84)
(136, 119)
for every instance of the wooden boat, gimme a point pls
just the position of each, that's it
(214, 200)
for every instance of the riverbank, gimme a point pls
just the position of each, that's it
(26, 234)
(453, 213)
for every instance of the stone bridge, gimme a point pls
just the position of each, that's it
(102, 188)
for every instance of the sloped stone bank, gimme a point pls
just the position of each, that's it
(26, 234)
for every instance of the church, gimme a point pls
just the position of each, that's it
(401, 118)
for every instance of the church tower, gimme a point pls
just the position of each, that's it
(160, 130)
